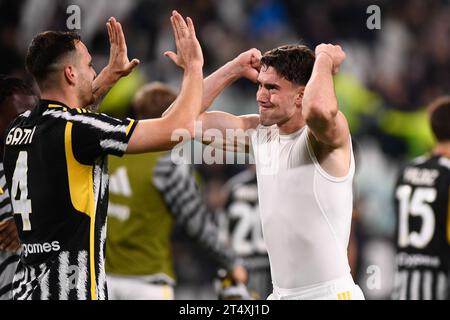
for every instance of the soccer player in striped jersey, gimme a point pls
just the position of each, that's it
(423, 217)
(55, 158)
(149, 194)
(242, 228)
(16, 97)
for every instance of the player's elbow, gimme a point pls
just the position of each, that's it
(317, 111)
(177, 122)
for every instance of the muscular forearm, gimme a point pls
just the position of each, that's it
(103, 83)
(161, 134)
(319, 99)
(187, 106)
(214, 84)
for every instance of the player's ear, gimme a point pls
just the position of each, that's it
(70, 74)
(299, 95)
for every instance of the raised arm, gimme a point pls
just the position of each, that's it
(319, 106)
(214, 125)
(246, 65)
(226, 131)
(156, 134)
(329, 132)
(118, 66)
(233, 129)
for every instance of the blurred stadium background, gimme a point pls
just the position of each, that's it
(389, 76)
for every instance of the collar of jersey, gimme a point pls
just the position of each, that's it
(52, 104)
(292, 135)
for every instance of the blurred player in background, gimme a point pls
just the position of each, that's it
(241, 225)
(55, 158)
(16, 97)
(423, 223)
(149, 194)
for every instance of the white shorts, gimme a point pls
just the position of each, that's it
(127, 288)
(338, 289)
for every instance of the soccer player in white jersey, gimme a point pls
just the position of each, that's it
(302, 147)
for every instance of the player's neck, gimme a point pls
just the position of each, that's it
(442, 149)
(292, 125)
(65, 96)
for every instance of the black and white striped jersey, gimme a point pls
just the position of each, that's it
(423, 230)
(8, 261)
(55, 165)
(243, 221)
(8, 265)
(242, 226)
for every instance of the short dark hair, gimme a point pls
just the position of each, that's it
(10, 86)
(439, 111)
(48, 48)
(292, 62)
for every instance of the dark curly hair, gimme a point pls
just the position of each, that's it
(292, 62)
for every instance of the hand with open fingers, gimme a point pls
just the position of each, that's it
(119, 63)
(248, 64)
(189, 52)
(334, 52)
(9, 238)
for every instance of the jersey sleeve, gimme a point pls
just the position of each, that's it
(95, 135)
(185, 202)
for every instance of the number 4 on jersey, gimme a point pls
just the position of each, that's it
(22, 205)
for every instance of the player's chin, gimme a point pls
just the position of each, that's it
(266, 120)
